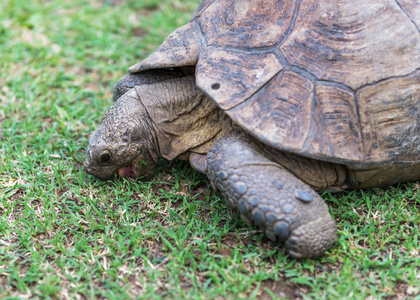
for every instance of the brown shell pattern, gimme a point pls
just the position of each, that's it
(334, 80)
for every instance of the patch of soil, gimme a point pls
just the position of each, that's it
(138, 31)
(280, 289)
(403, 291)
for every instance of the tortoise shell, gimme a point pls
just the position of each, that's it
(336, 81)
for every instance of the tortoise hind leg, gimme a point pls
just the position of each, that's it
(270, 197)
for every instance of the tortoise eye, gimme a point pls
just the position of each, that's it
(105, 156)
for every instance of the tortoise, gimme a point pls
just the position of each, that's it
(275, 101)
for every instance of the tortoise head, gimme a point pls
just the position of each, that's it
(123, 142)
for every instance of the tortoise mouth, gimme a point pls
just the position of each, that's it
(139, 168)
(128, 171)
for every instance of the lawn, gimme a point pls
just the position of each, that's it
(67, 235)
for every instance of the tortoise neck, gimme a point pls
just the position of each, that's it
(182, 117)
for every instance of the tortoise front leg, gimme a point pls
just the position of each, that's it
(270, 197)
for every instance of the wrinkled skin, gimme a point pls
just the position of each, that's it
(166, 117)
(118, 144)
(124, 142)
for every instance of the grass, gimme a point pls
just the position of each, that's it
(64, 234)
